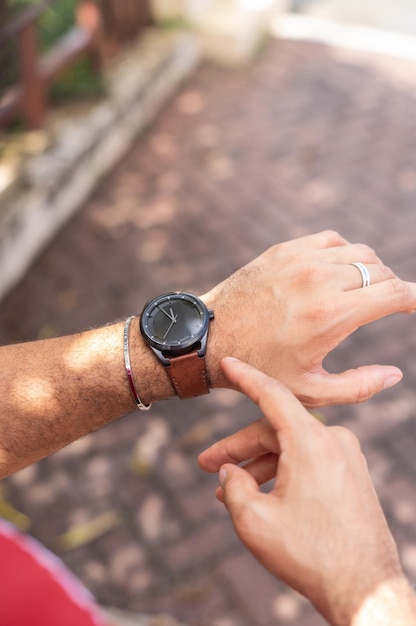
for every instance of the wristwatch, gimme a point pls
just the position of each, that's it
(175, 326)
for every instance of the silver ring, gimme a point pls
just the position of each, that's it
(365, 274)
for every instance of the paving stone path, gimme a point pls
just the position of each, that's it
(310, 137)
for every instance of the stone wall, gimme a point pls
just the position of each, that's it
(48, 187)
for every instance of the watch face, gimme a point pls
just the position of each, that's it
(175, 322)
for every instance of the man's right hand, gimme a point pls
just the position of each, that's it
(321, 528)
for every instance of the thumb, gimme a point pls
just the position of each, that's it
(238, 487)
(355, 385)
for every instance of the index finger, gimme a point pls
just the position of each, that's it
(277, 403)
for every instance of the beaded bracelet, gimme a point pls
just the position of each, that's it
(127, 366)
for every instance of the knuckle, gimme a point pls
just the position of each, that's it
(399, 293)
(387, 272)
(274, 253)
(331, 236)
(309, 275)
(321, 314)
(347, 438)
(364, 392)
(307, 390)
(265, 437)
(245, 520)
(365, 253)
(308, 400)
(311, 396)
(363, 460)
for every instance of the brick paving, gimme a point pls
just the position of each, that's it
(309, 137)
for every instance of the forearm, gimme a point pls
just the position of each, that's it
(57, 390)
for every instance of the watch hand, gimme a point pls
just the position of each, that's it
(174, 317)
(171, 317)
(168, 330)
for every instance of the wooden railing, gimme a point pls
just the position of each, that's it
(29, 97)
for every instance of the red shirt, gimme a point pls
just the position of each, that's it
(36, 588)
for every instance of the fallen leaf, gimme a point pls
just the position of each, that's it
(8, 512)
(83, 534)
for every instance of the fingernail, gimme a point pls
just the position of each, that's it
(222, 476)
(392, 380)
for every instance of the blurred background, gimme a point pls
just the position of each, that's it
(146, 146)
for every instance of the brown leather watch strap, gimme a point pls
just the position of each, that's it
(188, 374)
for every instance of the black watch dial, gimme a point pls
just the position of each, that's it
(175, 323)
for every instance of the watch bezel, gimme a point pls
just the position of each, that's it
(166, 349)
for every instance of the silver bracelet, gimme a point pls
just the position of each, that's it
(127, 366)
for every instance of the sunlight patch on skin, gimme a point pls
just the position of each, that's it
(85, 352)
(387, 599)
(35, 393)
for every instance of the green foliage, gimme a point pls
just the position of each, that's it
(56, 21)
(177, 23)
(80, 79)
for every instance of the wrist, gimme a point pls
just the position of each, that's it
(390, 601)
(218, 344)
(150, 378)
